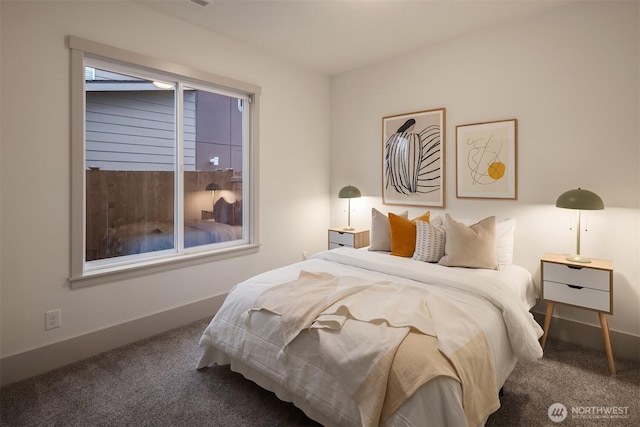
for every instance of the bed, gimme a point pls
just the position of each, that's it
(363, 337)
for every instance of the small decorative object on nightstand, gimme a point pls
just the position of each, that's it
(588, 286)
(339, 237)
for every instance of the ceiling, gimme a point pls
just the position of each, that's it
(334, 36)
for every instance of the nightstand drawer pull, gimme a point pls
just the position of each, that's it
(575, 267)
(575, 286)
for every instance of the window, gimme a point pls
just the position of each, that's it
(161, 162)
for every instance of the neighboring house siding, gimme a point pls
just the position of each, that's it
(219, 131)
(134, 130)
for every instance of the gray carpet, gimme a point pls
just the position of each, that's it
(153, 383)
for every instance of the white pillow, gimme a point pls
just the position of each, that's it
(380, 235)
(430, 242)
(504, 239)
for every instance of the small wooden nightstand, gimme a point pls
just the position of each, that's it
(352, 238)
(584, 285)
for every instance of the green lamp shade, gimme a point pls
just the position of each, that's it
(580, 199)
(349, 192)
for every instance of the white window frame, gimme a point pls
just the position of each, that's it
(81, 274)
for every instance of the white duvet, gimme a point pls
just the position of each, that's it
(497, 300)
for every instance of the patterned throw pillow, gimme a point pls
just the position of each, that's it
(430, 242)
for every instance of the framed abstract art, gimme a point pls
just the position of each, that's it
(486, 160)
(413, 162)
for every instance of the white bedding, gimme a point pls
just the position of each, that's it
(497, 300)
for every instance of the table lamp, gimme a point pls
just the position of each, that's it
(212, 187)
(349, 192)
(580, 200)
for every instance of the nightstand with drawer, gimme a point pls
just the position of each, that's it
(339, 237)
(583, 285)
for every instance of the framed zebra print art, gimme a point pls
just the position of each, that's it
(413, 162)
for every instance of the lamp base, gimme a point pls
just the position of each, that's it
(578, 258)
(348, 228)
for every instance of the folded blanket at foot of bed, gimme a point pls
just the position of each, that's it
(379, 339)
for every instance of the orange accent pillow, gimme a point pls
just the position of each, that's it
(403, 234)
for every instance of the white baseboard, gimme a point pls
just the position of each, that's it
(624, 346)
(40, 360)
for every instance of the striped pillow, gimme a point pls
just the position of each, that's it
(430, 241)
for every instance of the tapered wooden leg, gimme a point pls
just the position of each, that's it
(604, 325)
(547, 322)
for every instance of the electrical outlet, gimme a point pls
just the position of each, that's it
(305, 255)
(52, 319)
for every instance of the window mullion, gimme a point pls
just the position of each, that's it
(179, 181)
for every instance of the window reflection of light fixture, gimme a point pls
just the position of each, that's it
(163, 85)
(580, 200)
(212, 187)
(349, 192)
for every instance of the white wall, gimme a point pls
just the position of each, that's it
(35, 181)
(571, 78)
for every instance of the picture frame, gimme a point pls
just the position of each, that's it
(413, 158)
(486, 160)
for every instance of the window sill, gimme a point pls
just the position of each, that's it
(157, 266)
